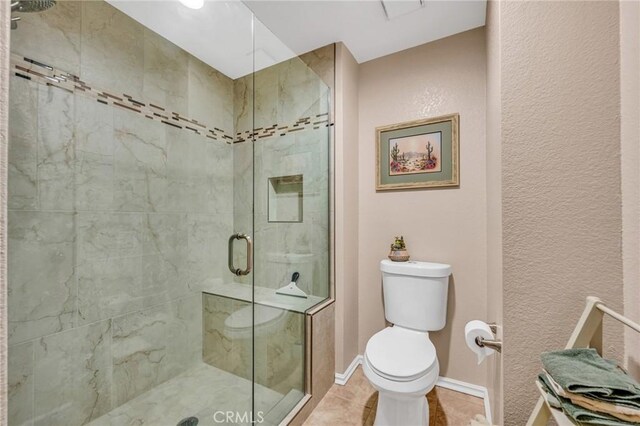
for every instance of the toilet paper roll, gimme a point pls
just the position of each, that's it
(475, 329)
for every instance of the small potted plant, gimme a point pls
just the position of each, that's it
(399, 251)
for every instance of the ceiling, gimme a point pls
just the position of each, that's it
(363, 25)
(220, 33)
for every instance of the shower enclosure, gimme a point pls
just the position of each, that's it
(156, 205)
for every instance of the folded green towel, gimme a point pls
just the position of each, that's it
(583, 371)
(577, 414)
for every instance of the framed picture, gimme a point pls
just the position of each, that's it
(418, 154)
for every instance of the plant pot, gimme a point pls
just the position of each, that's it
(399, 255)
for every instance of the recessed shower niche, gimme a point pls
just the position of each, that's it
(286, 198)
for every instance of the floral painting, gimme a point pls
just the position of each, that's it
(415, 154)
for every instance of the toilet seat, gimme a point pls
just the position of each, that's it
(401, 355)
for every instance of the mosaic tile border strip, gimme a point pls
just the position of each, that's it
(42, 73)
(46, 74)
(275, 130)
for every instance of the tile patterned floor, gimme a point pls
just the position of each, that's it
(355, 405)
(198, 392)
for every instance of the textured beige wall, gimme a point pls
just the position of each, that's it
(560, 180)
(346, 207)
(4, 102)
(630, 147)
(446, 225)
(494, 204)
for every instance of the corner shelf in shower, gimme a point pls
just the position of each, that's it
(263, 296)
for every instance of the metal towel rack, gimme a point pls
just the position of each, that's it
(587, 334)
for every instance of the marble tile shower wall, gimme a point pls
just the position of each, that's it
(284, 93)
(115, 220)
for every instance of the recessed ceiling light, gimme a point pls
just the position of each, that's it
(193, 4)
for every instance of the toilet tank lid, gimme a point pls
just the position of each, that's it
(415, 268)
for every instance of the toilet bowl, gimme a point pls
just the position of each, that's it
(402, 366)
(253, 321)
(400, 361)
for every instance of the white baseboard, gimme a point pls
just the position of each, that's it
(469, 389)
(462, 387)
(342, 379)
(443, 382)
(487, 407)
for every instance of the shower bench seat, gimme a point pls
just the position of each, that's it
(262, 296)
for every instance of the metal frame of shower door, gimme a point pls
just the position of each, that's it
(587, 334)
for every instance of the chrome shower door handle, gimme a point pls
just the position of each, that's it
(237, 271)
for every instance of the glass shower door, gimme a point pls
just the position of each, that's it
(289, 156)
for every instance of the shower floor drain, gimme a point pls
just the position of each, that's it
(189, 421)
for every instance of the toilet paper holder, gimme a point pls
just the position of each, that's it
(496, 345)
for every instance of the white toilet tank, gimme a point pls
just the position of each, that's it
(415, 294)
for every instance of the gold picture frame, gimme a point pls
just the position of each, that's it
(418, 154)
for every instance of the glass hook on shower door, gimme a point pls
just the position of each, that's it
(237, 271)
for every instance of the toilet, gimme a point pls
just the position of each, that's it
(400, 361)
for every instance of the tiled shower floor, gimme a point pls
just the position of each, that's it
(199, 392)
